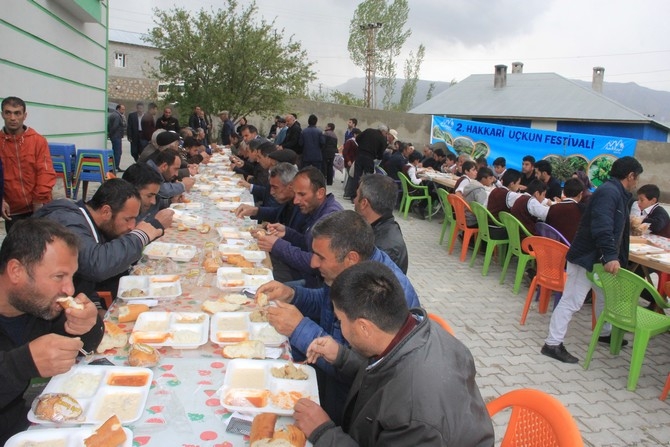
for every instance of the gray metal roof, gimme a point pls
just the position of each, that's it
(129, 37)
(528, 96)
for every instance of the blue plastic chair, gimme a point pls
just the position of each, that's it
(63, 158)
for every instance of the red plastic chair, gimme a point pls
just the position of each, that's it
(537, 420)
(550, 259)
(666, 388)
(460, 206)
(442, 322)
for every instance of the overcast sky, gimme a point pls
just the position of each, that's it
(464, 37)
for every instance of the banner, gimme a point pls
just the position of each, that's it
(567, 152)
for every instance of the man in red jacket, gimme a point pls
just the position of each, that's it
(28, 169)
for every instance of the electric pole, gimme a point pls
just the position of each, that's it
(370, 65)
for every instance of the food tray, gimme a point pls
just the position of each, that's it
(253, 379)
(189, 219)
(202, 187)
(150, 286)
(249, 255)
(89, 385)
(259, 329)
(59, 437)
(231, 206)
(641, 249)
(235, 278)
(663, 258)
(234, 246)
(233, 233)
(176, 252)
(165, 327)
(233, 325)
(187, 206)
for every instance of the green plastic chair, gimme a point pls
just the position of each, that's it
(449, 218)
(514, 230)
(621, 293)
(484, 219)
(407, 199)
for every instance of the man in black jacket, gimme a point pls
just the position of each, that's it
(134, 130)
(37, 338)
(375, 201)
(371, 146)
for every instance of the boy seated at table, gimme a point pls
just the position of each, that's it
(652, 212)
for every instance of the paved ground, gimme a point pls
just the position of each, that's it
(485, 316)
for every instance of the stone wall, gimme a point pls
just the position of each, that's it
(130, 89)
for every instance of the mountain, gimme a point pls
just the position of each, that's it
(652, 103)
(356, 86)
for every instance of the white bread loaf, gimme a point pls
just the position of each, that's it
(114, 337)
(250, 349)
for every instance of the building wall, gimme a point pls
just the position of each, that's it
(54, 57)
(132, 82)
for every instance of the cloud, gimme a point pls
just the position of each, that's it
(473, 22)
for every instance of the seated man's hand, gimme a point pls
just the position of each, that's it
(325, 347)
(193, 169)
(188, 183)
(309, 416)
(80, 321)
(276, 229)
(165, 217)
(205, 157)
(266, 243)
(284, 317)
(243, 184)
(246, 210)
(55, 354)
(276, 291)
(151, 231)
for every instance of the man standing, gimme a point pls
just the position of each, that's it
(27, 166)
(375, 201)
(312, 144)
(116, 127)
(227, 127)
(167, 121)
(412, 383)
(349, 152)
(351, 125)
(329, 152)
(37, 338)
(135, 130)
(293, 133)
(148, 126)
(290, 246)
(111, 239)
(371, 147)
(602, 236)
(281, 131)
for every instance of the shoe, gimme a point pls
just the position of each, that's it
(559, 353)
(119, 170)
(607, 338)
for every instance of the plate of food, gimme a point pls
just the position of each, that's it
(113, 434)
(236, 278)
(229, 327)
(179, 330)
(91, 394)
(262, 386)
(642, 249)
(154, 286)
(186, 206)
(176, 252)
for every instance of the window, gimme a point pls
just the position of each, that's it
(120, 60)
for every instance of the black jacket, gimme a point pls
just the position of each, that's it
(389, 239)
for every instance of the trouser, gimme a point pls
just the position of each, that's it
(317, 164)
(577, 286)
(135, 149)
(363, 165)
(116, 147)
(327, 169)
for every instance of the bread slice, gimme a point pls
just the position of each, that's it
(250, 349)
(114, 337)
(68, 301)
(292, 434)
(262, 427)
(109, 434)
(130, 312)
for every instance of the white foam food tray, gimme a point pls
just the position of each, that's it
(186, 206)
(59, 437)
(94, 387)
(176, 252)
(236, 278)
(249, 384)
(645, 249)
(179, 330)
(154, 286)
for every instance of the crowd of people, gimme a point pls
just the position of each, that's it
(342, 294)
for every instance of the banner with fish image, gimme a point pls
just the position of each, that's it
(567, 152)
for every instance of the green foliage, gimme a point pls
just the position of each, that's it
(412, 66)
(431, 90)
(228, 59)
(388, 42)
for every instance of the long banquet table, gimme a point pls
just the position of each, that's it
(183, 407)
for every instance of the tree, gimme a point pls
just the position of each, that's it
(227, 59)
(388, 41)
(412, 66)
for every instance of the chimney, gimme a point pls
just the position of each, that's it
(517, 67)
(598, 76)
(500, 77)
